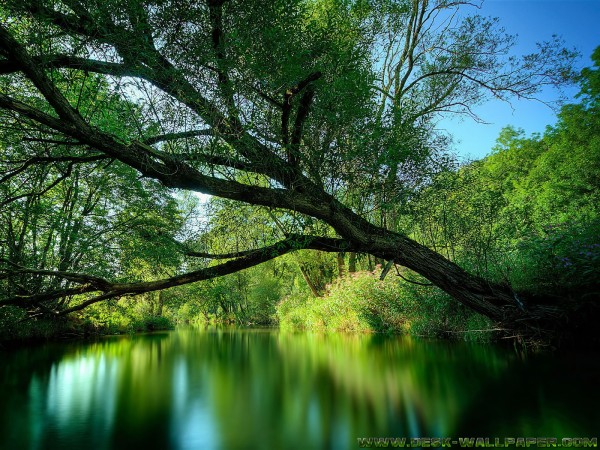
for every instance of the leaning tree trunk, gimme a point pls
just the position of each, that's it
(521, 313)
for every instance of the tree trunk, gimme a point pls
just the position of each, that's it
(352, 262)
(533, 318)
(161, 301)
(315, 291)
(494, 301)
(341, 264)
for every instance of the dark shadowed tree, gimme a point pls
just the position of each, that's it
(323, 109)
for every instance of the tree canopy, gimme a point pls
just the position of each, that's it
(320, 113)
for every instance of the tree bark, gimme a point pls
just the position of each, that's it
(352, 262)
(341, 264)
(313, 288)
(161, 302)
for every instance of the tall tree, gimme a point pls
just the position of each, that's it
(272, 103)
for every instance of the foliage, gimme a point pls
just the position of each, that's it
(528, 213)
(364, 303)
(15, 326)
(319, 116)
(561, 256)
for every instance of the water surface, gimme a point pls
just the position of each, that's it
(247, 389)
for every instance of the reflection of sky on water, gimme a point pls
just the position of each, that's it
(192, 425)
(247, 389)
(77, 399)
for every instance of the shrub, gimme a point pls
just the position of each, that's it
(562, 255)
(150, 323)
(364, 303)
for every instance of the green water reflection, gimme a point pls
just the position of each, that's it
(238, 389)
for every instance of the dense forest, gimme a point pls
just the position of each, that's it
(332, 200)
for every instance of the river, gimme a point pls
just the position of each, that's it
(265, 389)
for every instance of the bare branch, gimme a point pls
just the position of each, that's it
(178, 135)
(56, 182)
(418, 283)
(51, 159)
(301, 116)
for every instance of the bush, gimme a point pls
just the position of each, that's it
(563, 255)
(15, 326)
(363, 303)
(151, 323)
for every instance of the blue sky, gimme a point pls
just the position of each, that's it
(577, 21)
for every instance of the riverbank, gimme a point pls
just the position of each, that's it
(17, 330)
(363, 303)
(359, 303)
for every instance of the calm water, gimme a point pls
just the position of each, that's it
(246, 389)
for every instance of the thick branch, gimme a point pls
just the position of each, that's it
(153, 67)
(304, 83)
(301, 117)
(287, 104)
(163, 75)
(61, 61)
(206, 255)
(71, 276)
(111, 290)
(218, 40)
(218, 160)
(16, 52)
(164, 167)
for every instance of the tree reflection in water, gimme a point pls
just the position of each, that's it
(230, 389)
